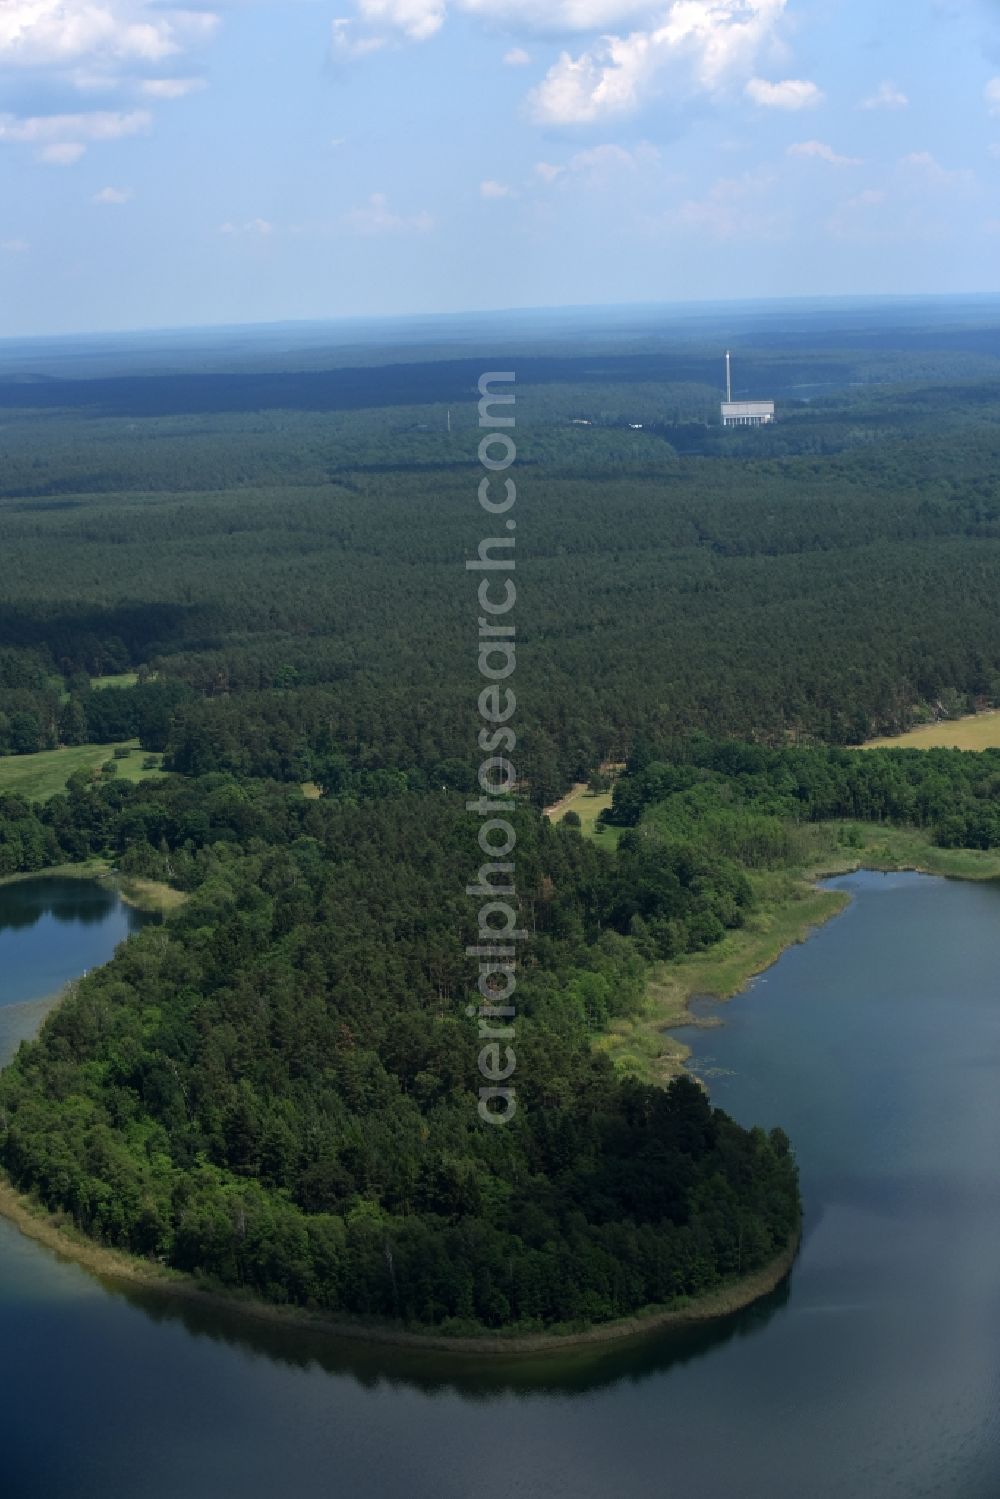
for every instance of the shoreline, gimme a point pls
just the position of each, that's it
(135, 890)
(89, 869)
(55, 1232)
(115, 1267)
(644, 1046)
(720, 973)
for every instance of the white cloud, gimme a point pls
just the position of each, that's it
(886, 96)
(855, 220)
(61, 153)
(99, 125)
(922, 159)
(602, 159)
(170, 88)
(94, 80)
(418, 20)
(992, 92)
(599, 166)
(700, 44)
(112, 196)
(790, 93)
(917, 207)
(869, 197)
(61, 33)
(492, 189)
(14, 246)
(609, 81)
(734, 207)
(931, 170)
(258, 228)
(822, 152)
(62, 139)
(349, 46)
(376, 217)
(557, 15)
(96, 47)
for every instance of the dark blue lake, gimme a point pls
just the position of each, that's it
(53, 930)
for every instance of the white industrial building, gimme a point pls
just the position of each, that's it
(743, 413)
(747, 413)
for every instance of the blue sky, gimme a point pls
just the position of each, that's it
(252, 161)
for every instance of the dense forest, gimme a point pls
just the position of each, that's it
(295, 591)
(275, 1088)
(952, 793)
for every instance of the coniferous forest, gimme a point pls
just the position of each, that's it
(261, 580)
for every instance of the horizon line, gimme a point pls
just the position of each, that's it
(348, 320)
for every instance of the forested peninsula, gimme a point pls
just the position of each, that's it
(272, 1089)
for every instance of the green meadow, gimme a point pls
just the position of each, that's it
(37, 777)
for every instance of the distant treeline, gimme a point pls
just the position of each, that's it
(378, 385)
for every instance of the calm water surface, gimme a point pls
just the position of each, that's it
(51, 931)
(874, 1373)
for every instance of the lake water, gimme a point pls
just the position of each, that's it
(874, 1373)
(51, 931)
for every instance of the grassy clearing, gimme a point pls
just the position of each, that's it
(148, 895)
(977, 732)
(588, 805)
(123, 679)
(37, 777)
